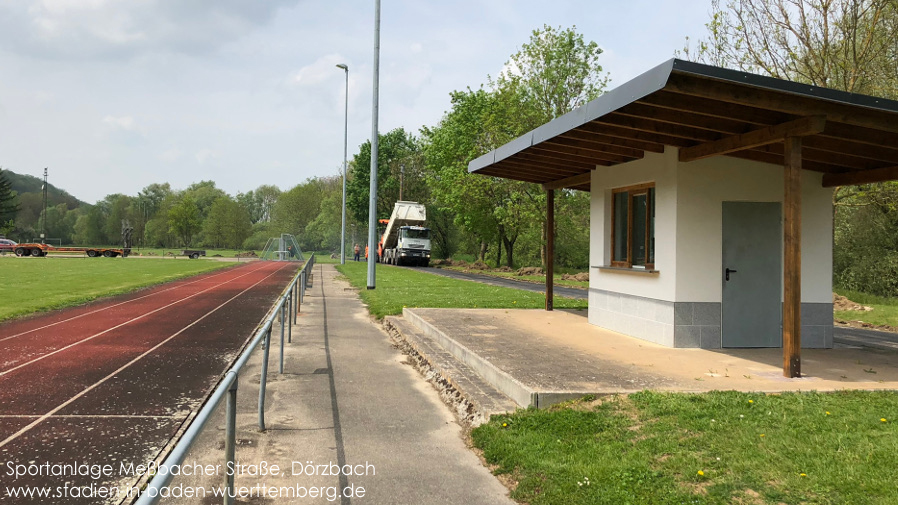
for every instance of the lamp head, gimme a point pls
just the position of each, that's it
(343, 66)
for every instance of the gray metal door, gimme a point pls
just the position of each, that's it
(752, 274)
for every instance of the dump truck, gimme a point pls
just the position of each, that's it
(405, 240)
(38, 250)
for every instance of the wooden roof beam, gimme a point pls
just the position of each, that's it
(860, 177)
(569, 182)
(800, 127)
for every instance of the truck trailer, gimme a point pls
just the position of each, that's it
(38, 250)
(405, 240)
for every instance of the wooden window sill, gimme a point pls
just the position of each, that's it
(628, 270)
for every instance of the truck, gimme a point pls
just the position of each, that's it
(405, 240)
(38, 250)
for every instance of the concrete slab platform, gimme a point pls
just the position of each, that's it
(539, 358)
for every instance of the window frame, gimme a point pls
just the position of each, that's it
(632, 191)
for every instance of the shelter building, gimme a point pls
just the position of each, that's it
(711, 201)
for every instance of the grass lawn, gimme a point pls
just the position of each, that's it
(35, 284)
(710, 448)
(403, 287)
(538, 279)
(885, 310)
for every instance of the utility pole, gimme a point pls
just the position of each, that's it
(372, 199)
(44, 220)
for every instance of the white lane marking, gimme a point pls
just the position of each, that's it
(145, 314)
(112, 306)
(126, 365)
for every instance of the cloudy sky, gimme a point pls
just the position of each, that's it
(113, 95)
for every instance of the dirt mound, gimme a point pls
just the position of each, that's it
(479, 265)
(580, 277)
(530, 271)
(842, 303)
(505, 268)
(456, 263)
(247, 254)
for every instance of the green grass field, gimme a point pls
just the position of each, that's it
(712, 448)
(536, 279)
(401, 287)
(36, 284)
(884, 313)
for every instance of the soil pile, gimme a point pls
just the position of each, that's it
(842, 303)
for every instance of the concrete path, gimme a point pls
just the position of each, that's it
(348, 398)
(841, 334)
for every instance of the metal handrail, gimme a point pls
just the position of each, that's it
(228, 387)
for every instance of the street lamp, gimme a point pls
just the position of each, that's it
(345, 140)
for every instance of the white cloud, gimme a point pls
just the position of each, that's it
(205, 155)
(92, 29)
(324, 69)
(122, 122)
(171, 155)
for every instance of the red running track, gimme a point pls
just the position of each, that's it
(112, 382)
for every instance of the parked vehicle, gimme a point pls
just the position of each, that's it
(7, 245)
(38, 250)
(405, 240)
(193, 253)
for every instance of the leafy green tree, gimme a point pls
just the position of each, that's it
(841, 44)
(399, 159)
(227, 224)
(555, 72)
(184, 220)
(89, 226)
(9, 205)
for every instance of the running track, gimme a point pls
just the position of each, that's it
(114, 381)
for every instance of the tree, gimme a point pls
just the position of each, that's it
(184, 220)
(9, 205)
(552, 74)
(398, 151)
(227, 224)
(849, 45)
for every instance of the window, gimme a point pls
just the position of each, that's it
(420, 233)
(633, 227)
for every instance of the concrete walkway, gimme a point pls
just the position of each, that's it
(538, 358)
(841, 334)
(347, 397)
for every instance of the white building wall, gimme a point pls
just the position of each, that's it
(704, 185)
(680, 305)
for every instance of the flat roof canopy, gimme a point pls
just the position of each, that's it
(707, 111)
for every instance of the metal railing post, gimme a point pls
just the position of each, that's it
(264, 379)
(290, 318)
(230, 441)
(281, 369)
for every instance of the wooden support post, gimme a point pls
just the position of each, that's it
(550, 248)
(792, 259)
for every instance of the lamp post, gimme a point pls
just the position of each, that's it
(345, 140)
(372, 195)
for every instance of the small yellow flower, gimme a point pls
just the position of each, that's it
(762, 435)
(504, 425)
(802, 475)
(883, 419)
(827, 412)
(751, 401)
(701, 473)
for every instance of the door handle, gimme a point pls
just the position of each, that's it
(728, 272)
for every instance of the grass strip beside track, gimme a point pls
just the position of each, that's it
(710, 448)
(30, 285)
(403, 287)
